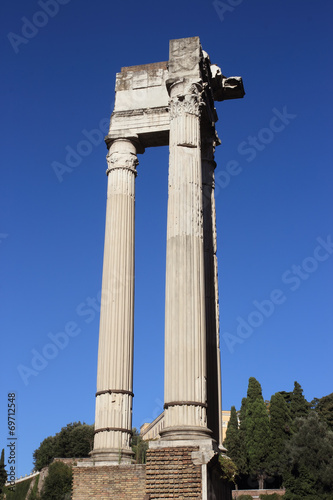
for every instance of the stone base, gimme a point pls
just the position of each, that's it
(184, 432)
(174, 469)
(111, 457)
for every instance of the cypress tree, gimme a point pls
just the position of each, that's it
(243, 462)
(3, 473)
(324, 409)
(254, 390)
(231, 441)
(286, 396)
(280, 431)
(299, 406)
(235, 448)
(257, 437)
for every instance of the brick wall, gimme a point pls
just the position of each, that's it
(170, 473)
(113, 482)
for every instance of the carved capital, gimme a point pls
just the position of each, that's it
(124, 160)
(185, 98)
(181, 105)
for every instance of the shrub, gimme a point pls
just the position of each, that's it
(58, 482)
(273, 496)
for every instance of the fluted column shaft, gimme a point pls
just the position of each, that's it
(214, 410)
(113, 421)
(185, 338)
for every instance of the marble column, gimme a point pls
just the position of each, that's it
(185, 326)
(113, 420)
(214, 410)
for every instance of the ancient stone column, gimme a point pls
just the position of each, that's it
(214, 410)
(113, 421)
(185, 324)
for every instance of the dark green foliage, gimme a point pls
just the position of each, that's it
(257, 437)
(33, 495)
(244, 497)
(299, 407)
(58, 482)
(311, 460)
(228, 469)
(75, 440)
(20, 491)
(286, 396)
(273, 496)
(139, 447)
(324, 408)
(242, 462)
(44, 455)
(280, 426)
(254, 390)
(3, 473)
(232, 442)
(286, 442)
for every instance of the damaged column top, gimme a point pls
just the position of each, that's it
(141, 110)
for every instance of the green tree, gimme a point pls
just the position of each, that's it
(75, 440)
(233, 444)
(228, 469)
(254, 390)
(299, 407)
(139, 447)
(257, 437)
(324, 408)
(243, 461)
(44, 455)
(231, 441)
(58, 482)
(310, 451)
(3, 473)
(280, 431)
(286, 396)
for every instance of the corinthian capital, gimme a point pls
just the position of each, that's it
(124, 160)
(185, 98)
(181, 105)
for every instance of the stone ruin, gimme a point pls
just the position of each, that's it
(167, 103)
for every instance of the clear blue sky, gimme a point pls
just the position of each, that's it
(58, 85)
